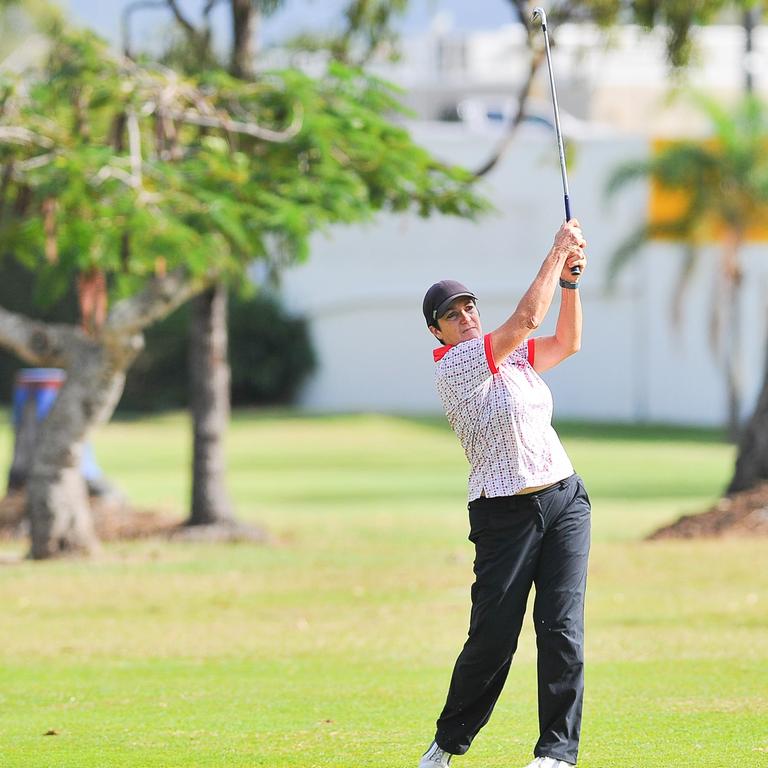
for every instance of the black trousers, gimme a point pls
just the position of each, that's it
(543, 539)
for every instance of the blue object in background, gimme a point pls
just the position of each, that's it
(40, 386)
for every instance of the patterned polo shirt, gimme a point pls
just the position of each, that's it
(503, 417)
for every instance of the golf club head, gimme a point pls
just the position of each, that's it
(538, 13)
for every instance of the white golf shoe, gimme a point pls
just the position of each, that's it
(548, 762)
(435, 757)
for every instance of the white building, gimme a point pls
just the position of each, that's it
(618, 77)
(363, 286)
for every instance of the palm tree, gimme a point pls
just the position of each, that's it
(722, 185)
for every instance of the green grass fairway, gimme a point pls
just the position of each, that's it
(333, 647)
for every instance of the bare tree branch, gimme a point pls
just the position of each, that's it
(185, 23)
(134, 145)
(522, 8)
(34, 162)
(18, 135)
(522, 102)
(235, 126)
(37, 343)
(209, 6)
(160, 296)
(207, 29)
(125, 20)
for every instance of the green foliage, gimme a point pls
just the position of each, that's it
(147, 170)
(19, 19)
(369, 30)
(191, 47)
(725, 179)
(681, 18)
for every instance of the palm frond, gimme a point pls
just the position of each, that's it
(683, 165)
(720, 117)
(624, 253)
(625, 174)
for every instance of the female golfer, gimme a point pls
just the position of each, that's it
(529, 513)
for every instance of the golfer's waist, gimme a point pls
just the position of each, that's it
(527, 493)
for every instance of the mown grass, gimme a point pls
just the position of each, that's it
(333, 646)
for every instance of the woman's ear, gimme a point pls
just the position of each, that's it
(435, 332)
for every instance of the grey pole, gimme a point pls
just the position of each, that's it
(538, 13)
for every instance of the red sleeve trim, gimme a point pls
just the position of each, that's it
(489, 354)
(441, 352)
(531, 351)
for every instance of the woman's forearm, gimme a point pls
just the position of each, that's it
(534, 305)
(532, 308)
(569, 320)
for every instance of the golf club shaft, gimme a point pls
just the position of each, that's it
(558, 131)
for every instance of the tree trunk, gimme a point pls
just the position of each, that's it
(209, 404)
(732, 274)
(752, 458)
(57, 497)
(244, 20)
(209, 371)
(733, 360)
(750, 19)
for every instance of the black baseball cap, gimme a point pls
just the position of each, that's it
(439, 297)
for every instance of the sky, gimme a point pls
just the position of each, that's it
(295, 17)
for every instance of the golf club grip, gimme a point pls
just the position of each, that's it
(574, 270)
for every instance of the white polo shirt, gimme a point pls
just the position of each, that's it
(502, 416)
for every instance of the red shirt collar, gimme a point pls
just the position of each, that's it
(441, 352)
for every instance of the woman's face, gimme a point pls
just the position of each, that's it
(460, 322)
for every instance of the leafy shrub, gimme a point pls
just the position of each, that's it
(270, 352)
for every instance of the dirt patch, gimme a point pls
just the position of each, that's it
(116, 520)
(743, 514)
(113, 518)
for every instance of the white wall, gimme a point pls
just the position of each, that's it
(363, 286)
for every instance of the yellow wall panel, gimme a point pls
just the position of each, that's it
(667, 204)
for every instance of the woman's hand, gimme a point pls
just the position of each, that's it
(570, 244)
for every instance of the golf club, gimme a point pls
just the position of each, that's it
(538, 13)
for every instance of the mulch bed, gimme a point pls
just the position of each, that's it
(742, 514)
(114, 519)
